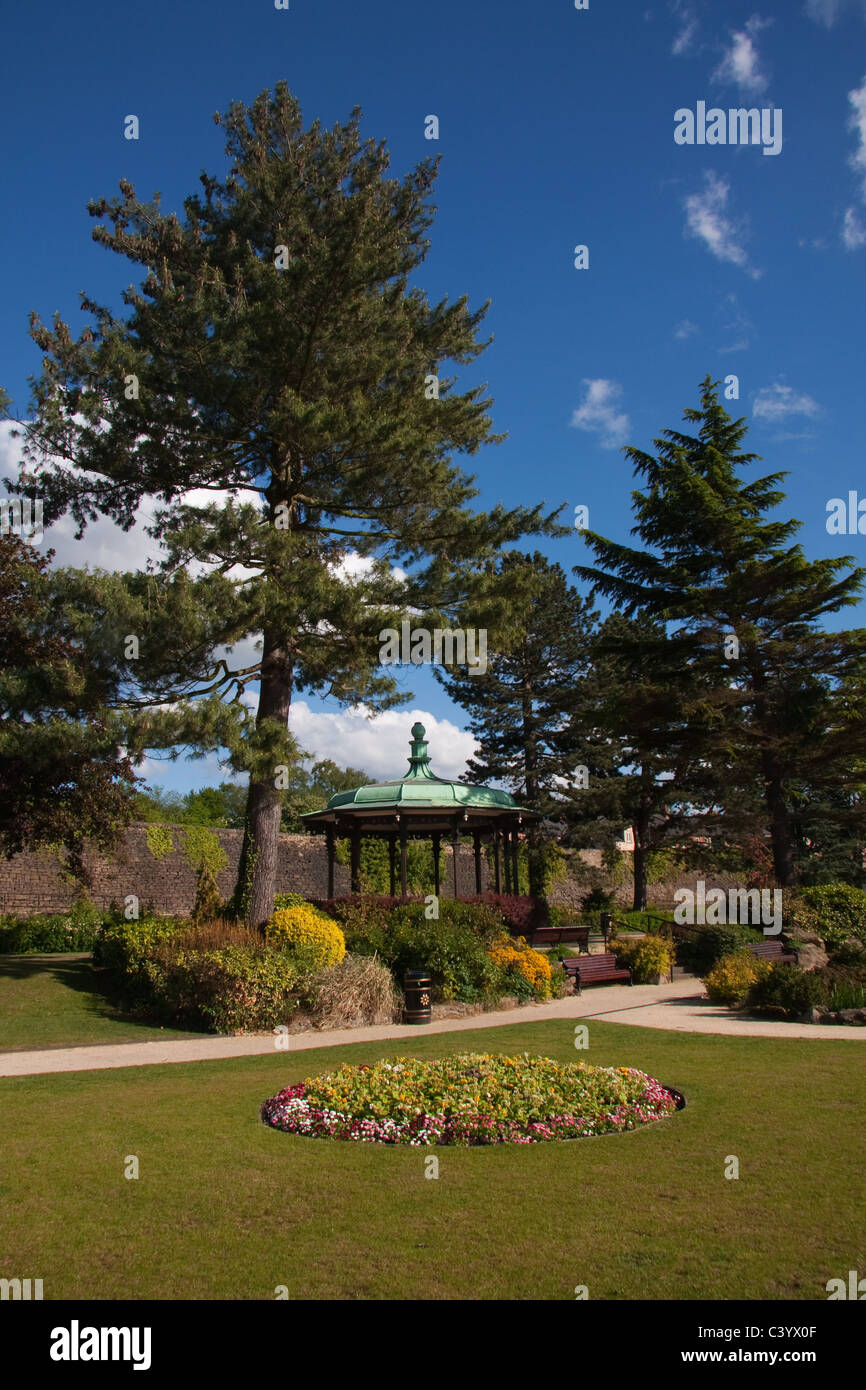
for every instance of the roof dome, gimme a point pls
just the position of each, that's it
(421, 786)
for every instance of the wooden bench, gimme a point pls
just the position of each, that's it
(771, 950)
(558, 936)
(594, 970)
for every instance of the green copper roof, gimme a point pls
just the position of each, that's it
(419, 788)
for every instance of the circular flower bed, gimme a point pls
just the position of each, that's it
(469, 1099)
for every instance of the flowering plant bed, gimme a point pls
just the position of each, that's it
(469, 1099)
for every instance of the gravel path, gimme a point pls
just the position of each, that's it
(678, 1006)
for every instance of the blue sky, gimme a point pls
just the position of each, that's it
(556, 129)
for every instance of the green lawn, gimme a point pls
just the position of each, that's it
(226, 1208)
(58, 1001)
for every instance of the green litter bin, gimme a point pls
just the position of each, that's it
(417, 992)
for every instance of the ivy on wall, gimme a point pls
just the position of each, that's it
(202, 850)
(159, 841)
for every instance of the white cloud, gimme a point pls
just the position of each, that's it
(738, 323)
(706, 219)
(826, 12)
(777, 402)
(380, 745)
(103, 546)
(857, 123)
(685, 39)
(598, 413)
(853, 231)
(685, 329)
(741, 63)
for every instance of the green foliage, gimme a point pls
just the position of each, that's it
(159, 841)
(664, 865)
(597, 900)
(835, 912)
(646, 956)
(63, 780)
(786, 990)
(454, 948)
(375, 869)
(324, 361)
(208, 899)
(203, 850)
(701, 948)
(742, 737)
(307, 935)
(122, 945)
(525, 708)
(75, 930)
(733, 976)
(617, 867)
(233, 989)
(219, 807)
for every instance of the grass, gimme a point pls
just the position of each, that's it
(59, 1001)
(226, 1208)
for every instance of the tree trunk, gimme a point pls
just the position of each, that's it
(257, 870)
(641, 851)
(781, 832)
(534, 844)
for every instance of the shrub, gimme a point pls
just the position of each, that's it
(705, 946)
(834, 912)
(646, 956)
(291, 900)
(786, 990)
(732, 977)
(851, 955)
(843, 987)
(76, 930)
(522, 967)
(310, 936)
(233, 989)
(208, 901)
(597, 900)
(125, 946)
(360, 989)
(522, 915)
(455, 955)
(483, 918)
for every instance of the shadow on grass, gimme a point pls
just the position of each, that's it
(101, 994)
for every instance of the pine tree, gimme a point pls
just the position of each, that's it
(640, 738)
(63, 777)
(523, 708)
(275, 356)
(781, 702)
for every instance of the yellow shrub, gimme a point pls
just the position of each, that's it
(308, 934)
(731, 978)
(534, 967)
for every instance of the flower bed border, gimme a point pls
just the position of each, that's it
(288, 1111)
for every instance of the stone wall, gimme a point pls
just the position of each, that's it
(569, 892)
(35, 882)
(32, 883)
